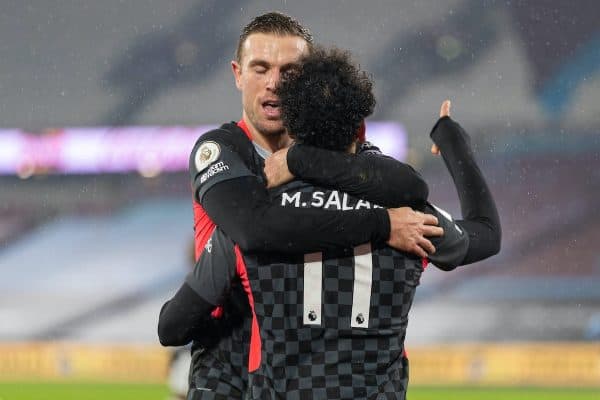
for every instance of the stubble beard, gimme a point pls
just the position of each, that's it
(270, 128)
(270, 132)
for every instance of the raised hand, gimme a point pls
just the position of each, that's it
(444, 112)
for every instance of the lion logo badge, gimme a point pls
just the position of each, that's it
(207, 153)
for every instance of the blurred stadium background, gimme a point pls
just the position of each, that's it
(101, 102)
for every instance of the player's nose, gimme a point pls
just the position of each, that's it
(273, 79)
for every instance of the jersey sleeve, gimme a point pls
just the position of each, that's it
(480, 220)
(452, 247)
(187, 316)
(213, 160)
(215, 269)
(368, 174)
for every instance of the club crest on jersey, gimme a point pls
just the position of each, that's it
(207, 153)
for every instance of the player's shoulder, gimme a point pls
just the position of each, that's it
(368, 149)
(227, 142)
(228, 134)
(221, 154)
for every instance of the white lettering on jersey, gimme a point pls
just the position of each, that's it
(345, 205)
(362, 204)
(317, 199)
(214, 170)
(333, 201)
(294, 199)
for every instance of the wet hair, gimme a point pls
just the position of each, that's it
(276, 23)
(324, 102)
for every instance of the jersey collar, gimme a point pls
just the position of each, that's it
(242, 124)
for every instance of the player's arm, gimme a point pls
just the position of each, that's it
(186, 316)
(238, 202)
(183, 318)
(480, 223)
(388, 184)
(368, 174)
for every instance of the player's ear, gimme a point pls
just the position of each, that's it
(236, 68)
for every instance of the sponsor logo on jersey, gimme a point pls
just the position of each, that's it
(207, 153)
(329, 200)
(214, 170)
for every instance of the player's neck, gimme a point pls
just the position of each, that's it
(353, 147)
(271, 143)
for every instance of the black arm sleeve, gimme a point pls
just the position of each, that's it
(480, 216)
(452, 247)
(212, 282)
(368, 175)
(243, 209)
(184, 318)
(187, 317)
(237, 201)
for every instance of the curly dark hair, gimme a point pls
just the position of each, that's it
(325, 100)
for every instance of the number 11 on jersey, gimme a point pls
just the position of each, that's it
(361, 291)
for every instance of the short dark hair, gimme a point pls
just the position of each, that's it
(276, 23)
(325, 100)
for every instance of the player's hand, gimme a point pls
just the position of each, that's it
(276, 169)
(444, 112)
(408, 229)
